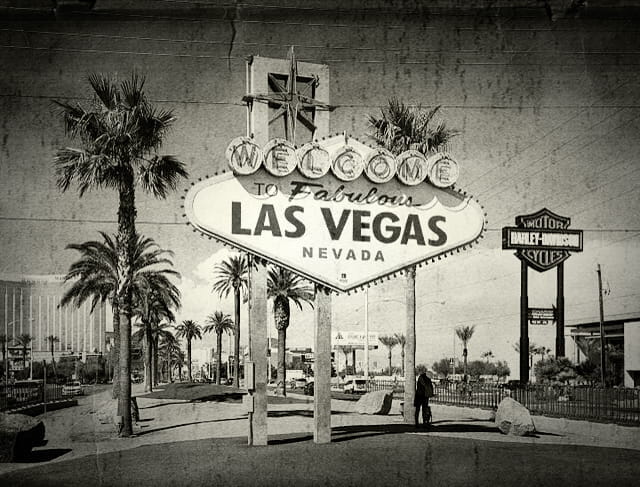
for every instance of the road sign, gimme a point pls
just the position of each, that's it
(541, 316)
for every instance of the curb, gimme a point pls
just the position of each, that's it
(37, 409)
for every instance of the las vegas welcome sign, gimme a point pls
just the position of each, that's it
(337, 211)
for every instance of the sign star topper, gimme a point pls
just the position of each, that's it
(290, 102)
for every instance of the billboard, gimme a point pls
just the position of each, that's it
(353, 339)
(322, 212)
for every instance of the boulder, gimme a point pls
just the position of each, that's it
(18, 435)
(512, 418)
(377, 402)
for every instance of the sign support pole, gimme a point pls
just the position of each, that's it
(524, 324)
(258, 434)
(410, 348)
(322, 374)
(560, 345)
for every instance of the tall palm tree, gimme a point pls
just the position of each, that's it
(399, 128)
(402, 341)
(95, 276)
(120, 134)
(218, 323)
(160, 333)
(24, 340)
(464, 333)
(169, 349)
(189, 330)
(389, 341)
(284, 286)
(233, 275)
(52, 340)
(153, 302)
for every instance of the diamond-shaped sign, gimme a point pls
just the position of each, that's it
(339, 234)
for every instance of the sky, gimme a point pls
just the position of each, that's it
(547, 116)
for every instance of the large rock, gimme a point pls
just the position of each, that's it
(512, 418)
(18, 434)
(377, 402)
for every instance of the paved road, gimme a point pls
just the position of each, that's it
(371, 455)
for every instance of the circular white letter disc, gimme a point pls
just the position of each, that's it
(380, 166)
(443, 171)
(347, 164)
(313, 161)
(412, 167)
(280, 157)
(244, 156)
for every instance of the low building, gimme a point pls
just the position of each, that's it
(622, 333)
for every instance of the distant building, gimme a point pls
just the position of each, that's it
(30, 304)
(621, 331)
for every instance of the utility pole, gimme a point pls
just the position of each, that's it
(366, 333)
(602, 337)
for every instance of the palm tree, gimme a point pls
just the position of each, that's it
(189, 330)
(218, 323)
(120, 134)
(52, 340)
(24, 340)
(179, 359)
(402, 341)
(389, 341)
(95, 275)
(168, 346)
(233, 275)
(465, 333)
(487, 355)
(159, 334)
(284, 286)
(153, 302)
(399, 128)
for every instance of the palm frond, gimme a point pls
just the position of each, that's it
(105, 90)
(161, 174)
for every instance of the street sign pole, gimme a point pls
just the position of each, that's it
(524, 324)
(560, 312)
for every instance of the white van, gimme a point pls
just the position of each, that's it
(355, 386)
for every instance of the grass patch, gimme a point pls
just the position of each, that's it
(192, 392)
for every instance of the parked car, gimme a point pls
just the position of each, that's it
(72, 389)
(355, 386)
(300, 383)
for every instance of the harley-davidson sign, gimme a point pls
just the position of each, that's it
(542, 239)
(337, 230)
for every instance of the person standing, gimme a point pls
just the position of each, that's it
(424, 390)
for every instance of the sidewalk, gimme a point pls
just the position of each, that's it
(87, 429)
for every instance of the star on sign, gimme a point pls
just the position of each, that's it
(290, 102)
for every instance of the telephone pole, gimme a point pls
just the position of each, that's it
(602, 337)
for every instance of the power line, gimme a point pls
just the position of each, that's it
(227, 42)
(438, 62)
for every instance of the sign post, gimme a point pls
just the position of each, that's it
(333, 210)
(542, 240)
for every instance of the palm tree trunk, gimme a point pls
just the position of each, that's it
(390, 372)
(464, 355)
(402, 356)
(189, 360)
(281, 385)
(115, 391)
(148, 349)
(156, 375)
(169, 372)
(125, 241)
(236, 296)
(218, 356)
